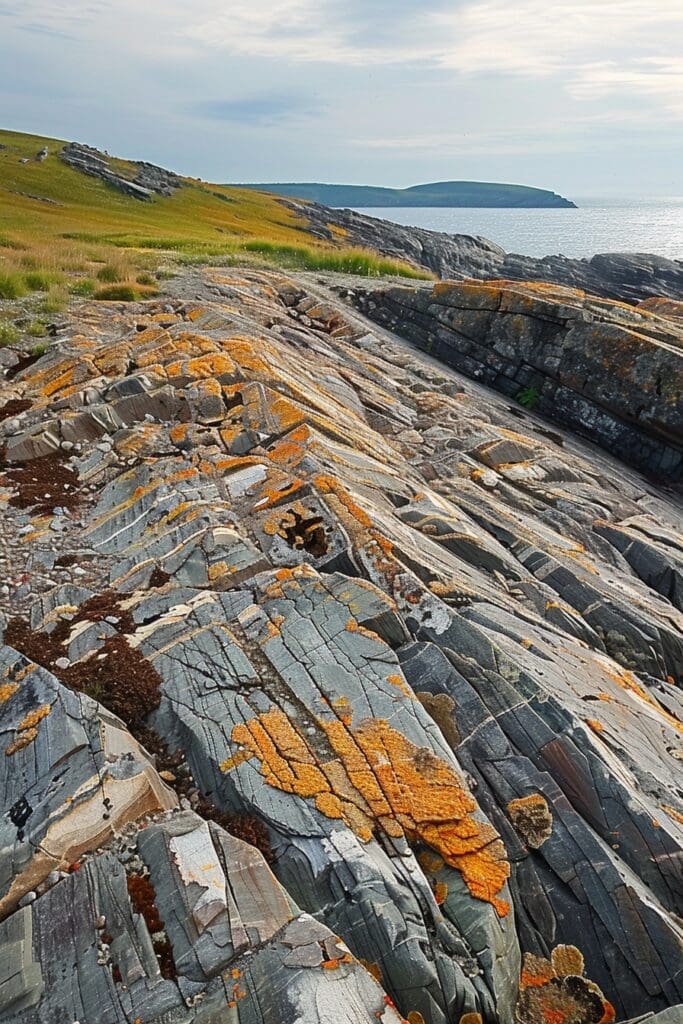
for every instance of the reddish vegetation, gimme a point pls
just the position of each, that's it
(43, 484)
(125, 682)
(142, 898)
(158, 578)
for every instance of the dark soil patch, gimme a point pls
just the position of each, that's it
(14, 407)
(23, 364)
(43, 484)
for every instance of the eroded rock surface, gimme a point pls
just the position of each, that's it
(290, 581)
(613, 372)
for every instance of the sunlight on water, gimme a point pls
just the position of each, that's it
(652, 226)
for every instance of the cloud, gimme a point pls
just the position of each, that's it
(596, 47)
(257, 109)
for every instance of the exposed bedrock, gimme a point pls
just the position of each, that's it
(629, 276)
(326, 696)
(612, 372)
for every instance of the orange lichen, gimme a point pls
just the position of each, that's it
(7, 690)
(595, 725)
(330, 485)
(379, 779)
(33, 717)
(440, 892)
(22, 740)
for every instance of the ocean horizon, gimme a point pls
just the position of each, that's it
(599, 224)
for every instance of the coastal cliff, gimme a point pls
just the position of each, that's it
(335, 686)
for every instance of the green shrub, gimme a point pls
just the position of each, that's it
(40, 349)
(109, 274)
(529, 396)
(11, 286)
(8, 334)
(36, 329)
(117, 293)
(85, 288)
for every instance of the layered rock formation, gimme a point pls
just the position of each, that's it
(148, 181)
(277, 580)
(612, 372)
(630, 277)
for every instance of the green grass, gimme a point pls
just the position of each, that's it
(11, 286)
(39, 281)
(54, 302)
(117, 292)
(85, 288)
(9, 335)
(36, 329)
(109, 274)
(346, 261)
(40, 349)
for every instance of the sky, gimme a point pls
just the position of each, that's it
(585, 98)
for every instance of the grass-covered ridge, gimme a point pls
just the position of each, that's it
(63, 227)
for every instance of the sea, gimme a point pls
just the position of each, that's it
(598, 225)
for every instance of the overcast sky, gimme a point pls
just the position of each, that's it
(582, 97)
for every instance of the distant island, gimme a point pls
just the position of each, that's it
(439, 193)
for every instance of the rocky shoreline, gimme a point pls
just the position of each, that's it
(333, 687)
(628, 277)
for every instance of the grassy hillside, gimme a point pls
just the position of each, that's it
(80, 233)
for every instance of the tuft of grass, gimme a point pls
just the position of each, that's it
(8, 334)
(85, 288)
(345, 261)
(54, 302)
(109, 274)
(11, 286)
(117, 293)
(10, 243)
(146, 279)
(40, 349)
(36, 329)
(40, 280)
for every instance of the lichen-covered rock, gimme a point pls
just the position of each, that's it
(426, 662)
(611, 371)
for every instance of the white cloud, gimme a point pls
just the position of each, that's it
(611, 46)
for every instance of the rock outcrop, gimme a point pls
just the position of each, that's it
(326, 695)
(148, 181)
(610, 371)
(629, 277)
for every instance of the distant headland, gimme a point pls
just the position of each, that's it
(439, 193)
